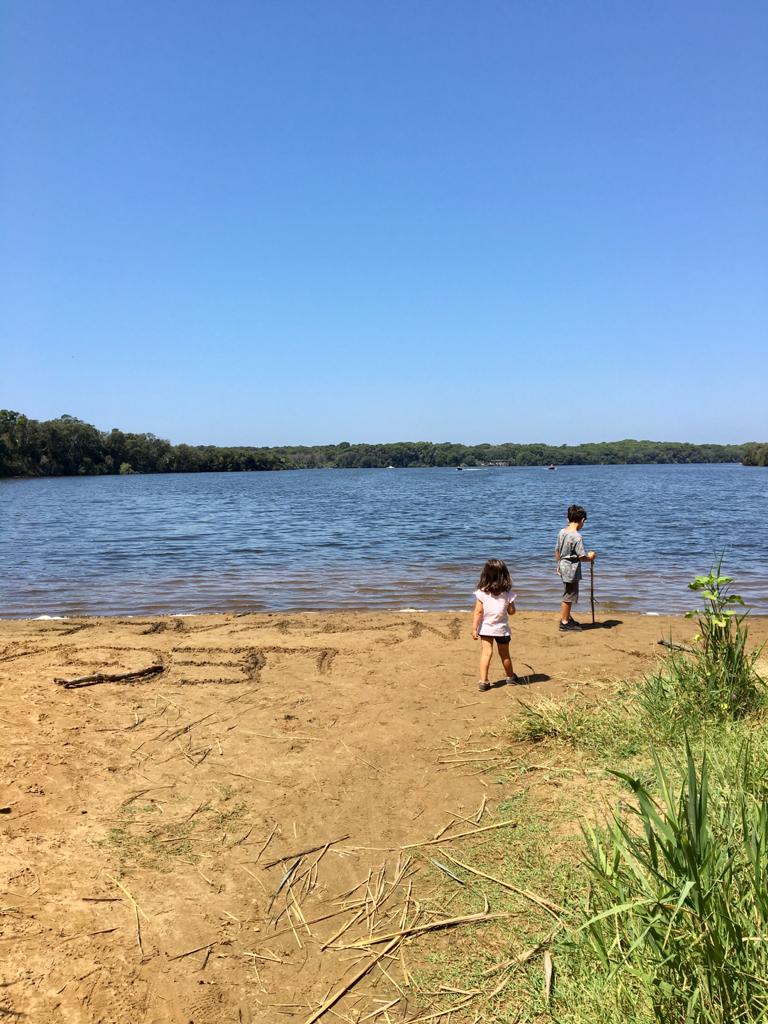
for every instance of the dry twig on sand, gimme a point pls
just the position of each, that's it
(417, 929)
(303, 853)
(336, 996)
(138, 912)
(189, 952)
(677, 647)
(460, 835)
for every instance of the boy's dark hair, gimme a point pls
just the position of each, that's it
(495, 578)
(576, 514)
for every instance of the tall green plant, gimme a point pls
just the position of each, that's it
(723, 665)
(718, 679)
(680, 900)
(718, 616)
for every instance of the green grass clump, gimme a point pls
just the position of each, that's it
(609, 728)
(715, 682)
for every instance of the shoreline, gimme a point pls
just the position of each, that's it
(606, 612)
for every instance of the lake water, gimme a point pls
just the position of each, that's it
(412, 538)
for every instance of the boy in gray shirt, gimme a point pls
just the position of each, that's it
(569, 554)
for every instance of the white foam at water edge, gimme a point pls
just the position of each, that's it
(653, 613)
(39, 618)
(183, 615)
(453, 611)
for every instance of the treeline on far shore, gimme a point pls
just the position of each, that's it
(69, 447)
(755, 455)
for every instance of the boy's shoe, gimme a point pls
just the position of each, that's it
(483, 686)
(570, 627)
(512, 680)
(573, 622)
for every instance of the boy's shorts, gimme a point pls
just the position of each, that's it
(571, 592)
(498, 639)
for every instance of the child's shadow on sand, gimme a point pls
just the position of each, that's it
(605, 624)
(524, 680)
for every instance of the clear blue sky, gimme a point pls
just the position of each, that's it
(301, 221)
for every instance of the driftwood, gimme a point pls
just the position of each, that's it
(103, 677)
(677, 647)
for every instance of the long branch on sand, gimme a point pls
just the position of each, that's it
(103, 677)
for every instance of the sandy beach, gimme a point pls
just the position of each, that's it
(140, 818)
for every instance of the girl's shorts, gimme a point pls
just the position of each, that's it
(498, 639)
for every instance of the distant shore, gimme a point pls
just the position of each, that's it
(69, 447)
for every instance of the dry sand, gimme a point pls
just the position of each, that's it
(138, 810)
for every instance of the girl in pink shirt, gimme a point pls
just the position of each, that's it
(494, 601)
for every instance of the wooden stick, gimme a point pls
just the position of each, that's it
(592, 589)
(103, 931)
(344, 928)
(677, 647)
(460, 835)
(189, 952)
(103, 677)
(138, 928)
(303, 853)
(266, 844)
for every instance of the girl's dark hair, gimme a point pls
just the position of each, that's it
(576, 514)
(495, 578)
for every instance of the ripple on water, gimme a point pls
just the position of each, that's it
(363, 538)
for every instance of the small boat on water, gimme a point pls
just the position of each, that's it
(551, 466)
(459, 469)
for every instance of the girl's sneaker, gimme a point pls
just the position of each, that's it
(483, 685)
(512, 680)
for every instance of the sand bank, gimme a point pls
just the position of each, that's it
(133, 884)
